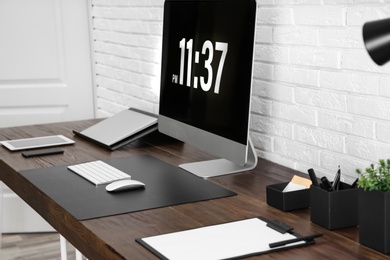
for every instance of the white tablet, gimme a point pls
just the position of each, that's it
(36, 142)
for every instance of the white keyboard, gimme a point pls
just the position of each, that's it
(98, 172)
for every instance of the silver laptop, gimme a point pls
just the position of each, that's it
(121, 129)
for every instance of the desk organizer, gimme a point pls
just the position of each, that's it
(334, 209)
(287, 201)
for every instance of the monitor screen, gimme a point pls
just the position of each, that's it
(206, 76)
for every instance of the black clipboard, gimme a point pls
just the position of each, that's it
(162, 245)
(115, 132)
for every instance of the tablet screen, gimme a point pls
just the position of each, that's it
(29, 143)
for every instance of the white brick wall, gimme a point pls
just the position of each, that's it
(318, 99)
(127, 43)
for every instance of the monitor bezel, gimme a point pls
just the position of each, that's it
(207, 141)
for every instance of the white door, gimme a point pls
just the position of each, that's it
(45, 76)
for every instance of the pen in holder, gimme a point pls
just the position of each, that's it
(325, 184)
(336, 181)
(333, 205)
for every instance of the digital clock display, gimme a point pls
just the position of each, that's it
(207, 65)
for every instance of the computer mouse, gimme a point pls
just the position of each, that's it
(124, 185)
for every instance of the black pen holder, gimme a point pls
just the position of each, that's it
(287, 201)
(334, 209)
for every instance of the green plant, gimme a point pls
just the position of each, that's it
(375, 178)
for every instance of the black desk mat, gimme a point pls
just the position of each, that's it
(165, 185)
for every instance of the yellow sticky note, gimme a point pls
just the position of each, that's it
(301, 181)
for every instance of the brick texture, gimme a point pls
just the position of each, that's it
(318, 99)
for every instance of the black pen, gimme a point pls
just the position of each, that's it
(326, 184)
(298, 239)
(354, 184)
(313, 177)
(336, 181)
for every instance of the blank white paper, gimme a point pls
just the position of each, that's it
(293, 187)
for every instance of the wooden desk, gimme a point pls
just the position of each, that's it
(114, 237)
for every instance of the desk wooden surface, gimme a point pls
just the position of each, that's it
(114, 237)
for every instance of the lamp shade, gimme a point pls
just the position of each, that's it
(376, 36)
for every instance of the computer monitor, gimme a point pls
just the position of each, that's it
(206, 80)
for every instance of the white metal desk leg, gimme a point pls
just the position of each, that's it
(64, 254)
(79, 256)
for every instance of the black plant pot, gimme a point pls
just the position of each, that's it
(374, 220)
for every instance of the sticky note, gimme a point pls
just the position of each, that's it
(297, 183)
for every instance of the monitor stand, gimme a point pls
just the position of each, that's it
(218, 167)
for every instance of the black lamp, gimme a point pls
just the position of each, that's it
(376, 36)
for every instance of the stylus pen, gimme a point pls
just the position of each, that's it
(298, 239)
